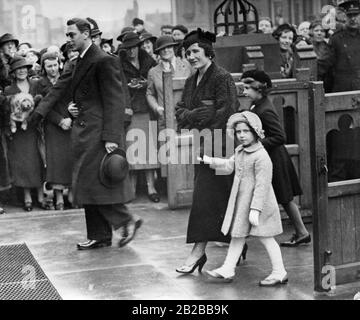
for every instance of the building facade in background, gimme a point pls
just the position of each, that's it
(26, 20)
(23, 18)
(200, 13)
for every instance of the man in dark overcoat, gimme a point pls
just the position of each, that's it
(98, 128)
(344, 47)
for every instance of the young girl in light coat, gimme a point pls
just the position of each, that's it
(252, 207)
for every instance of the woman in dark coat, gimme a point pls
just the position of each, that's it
(209, 98)
(136, 64)
(25, 161)
(285, 180)
(57, 127)
(5, 179)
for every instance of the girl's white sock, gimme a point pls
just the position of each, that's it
(274, 252)
(235, 249)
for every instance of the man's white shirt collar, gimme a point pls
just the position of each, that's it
(84, 52)
(173, 63)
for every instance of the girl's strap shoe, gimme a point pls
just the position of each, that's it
(218, 274)
(272, 281)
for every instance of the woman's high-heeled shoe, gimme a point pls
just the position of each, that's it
(28, 206)
(243, 254)
(154, 197)
(59, 206)
(190, 269)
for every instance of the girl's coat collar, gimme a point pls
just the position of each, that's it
(255, 147)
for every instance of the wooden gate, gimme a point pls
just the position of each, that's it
(335, 163)
(180, 177)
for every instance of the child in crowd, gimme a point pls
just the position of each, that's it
(252, 207)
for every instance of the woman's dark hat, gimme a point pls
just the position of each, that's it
(350, 7)
(199, 36)
(113, 168)
(130, 40)
(124, 32)
(19, 62)
(65, 48)
(147, 36)
(163, 42)
(284, 27)
(256, 75)
(109, 41)
(95, 31)
(7, 37)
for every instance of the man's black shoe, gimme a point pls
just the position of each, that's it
(296, 241)
(130, 231)
(93, 244)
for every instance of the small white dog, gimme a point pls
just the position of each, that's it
(21, 106)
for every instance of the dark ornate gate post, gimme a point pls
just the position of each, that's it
(236, 14)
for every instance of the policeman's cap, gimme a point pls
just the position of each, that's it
(350, 7)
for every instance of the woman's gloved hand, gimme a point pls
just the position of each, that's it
(192, 115)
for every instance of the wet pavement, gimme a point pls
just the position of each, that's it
(145, 269)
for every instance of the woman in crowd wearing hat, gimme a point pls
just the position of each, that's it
(136, 64)
(57, 129)
(252, 208)
(165, 48)
(70, 57)
(107, 46)
(179, 32)
(286, 35)
(257, 85)
(148, 44)
(120, 38)
(23, 48)
(26, 165)
(33, 57)
(209, 99)
(168, 62)
(8, 45)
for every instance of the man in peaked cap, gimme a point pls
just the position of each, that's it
(95, 32)
(139, 26)
(343, 59)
